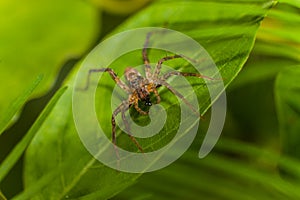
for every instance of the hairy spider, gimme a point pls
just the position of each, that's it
(139, 88)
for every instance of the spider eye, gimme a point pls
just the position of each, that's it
(148, 102)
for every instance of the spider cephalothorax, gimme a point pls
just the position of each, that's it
(139, 88)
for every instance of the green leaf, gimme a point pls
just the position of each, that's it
(275, 37)
(37, 37)
(250, 174)
(227, 37)
(58, 137)
(16, 153)
(256, 72)
(227, 31)
(2, 197)
(276, 47)
(287, 92)
(17, 104)
(120, 7)
(292, 2)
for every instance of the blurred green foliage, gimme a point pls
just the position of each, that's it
(37, 38)
(257, 156)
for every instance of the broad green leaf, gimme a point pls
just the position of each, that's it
(120, 7)
(207, 28)
(17, 104)
(78, 168)
(38, 37)
(287, 92)
(19, 149)
(227, 31)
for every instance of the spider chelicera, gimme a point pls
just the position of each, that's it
(139, 88)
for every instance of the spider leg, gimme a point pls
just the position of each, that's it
(122, 108)
(145, 56)
(176, 73)
(113, 76)
(178, 94)
(127, 128)
(157, 96)
(136, 106)
(160, 62)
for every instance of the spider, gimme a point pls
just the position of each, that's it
(139, 88)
